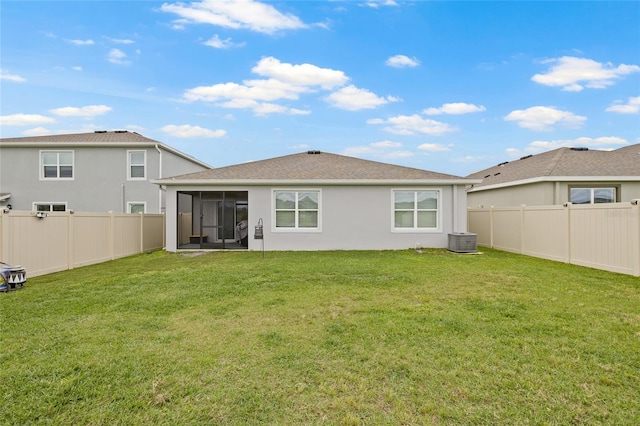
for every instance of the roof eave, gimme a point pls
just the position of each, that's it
(150, 144)
(542, 179)
(324, 182)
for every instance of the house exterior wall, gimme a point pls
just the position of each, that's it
(352, 218)
(541, 193)
(99, 182)
(545, 193)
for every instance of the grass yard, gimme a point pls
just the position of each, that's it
(342, 338)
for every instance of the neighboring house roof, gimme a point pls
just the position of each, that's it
(115, 138)
(313, 167)
(563, 164)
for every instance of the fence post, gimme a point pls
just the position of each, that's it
(141, 232)
(635, 212)
(568, 231)
(71, 249)
(491, 226)
(522, 233)
(112, 239)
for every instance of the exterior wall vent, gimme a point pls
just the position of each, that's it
(463, 242)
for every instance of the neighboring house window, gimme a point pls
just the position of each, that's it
(56, 165)
(592, 195)
(49, 207)
(298, 210)
(137, 207)
(136, 165)
(416, 210)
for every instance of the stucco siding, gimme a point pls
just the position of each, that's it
(534, 194)
(352, 218)
(100, 182)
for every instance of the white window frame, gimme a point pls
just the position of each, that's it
(35, 204)
(415, 228)
(129, 164)
(296, 228)
(132, 203)
(57, 152)
(592, 190)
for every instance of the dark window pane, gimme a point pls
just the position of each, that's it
(50, 171)
(66, 171)
(581, 195)
(137, 171)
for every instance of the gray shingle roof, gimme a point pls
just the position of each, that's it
(318, 166)
(564, 162)
(118, 136)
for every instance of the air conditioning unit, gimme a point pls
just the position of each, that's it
(463, 242)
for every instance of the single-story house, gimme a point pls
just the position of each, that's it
(313, 201)
(576, 175)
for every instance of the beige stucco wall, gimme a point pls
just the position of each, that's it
(544, 193)
(352, 218)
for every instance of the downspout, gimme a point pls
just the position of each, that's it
(123, 198)
(455, 208)
(159, 177)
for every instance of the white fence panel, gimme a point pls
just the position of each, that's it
(65, 240)
(602, 236)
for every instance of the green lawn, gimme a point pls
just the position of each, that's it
(392, 337)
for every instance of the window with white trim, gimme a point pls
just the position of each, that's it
(136, 207)
(297, 209)
(49, 207)
(56, 165)
(136, 165)
(416, 210)
(592, 195)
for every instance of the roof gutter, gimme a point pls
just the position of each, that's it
(327, 182)
(543, 179)
(105, 145)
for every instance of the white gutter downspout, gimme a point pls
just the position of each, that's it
(455, 208)
(159, 177)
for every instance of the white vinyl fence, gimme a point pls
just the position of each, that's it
(67, 240)
(602, 236)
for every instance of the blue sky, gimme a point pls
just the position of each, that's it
(448, 86)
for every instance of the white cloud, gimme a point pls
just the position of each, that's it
(4, 75)
(455, 109)
(37, 131)
(378, 3)
(247, 14)
(542, 118)
(300, 75)
(352, 98)
(76, 68)
(81, 42)
(217, 43)
(382, 149)
(88, 111)
(413, 124)
(24, 120)
(574, 74)
(286, 81)
(433, 147)
(188, 131)
(536, 147)
(117, 56)
(631, 107)
(386, 144)
(120, 40)
(402, 61)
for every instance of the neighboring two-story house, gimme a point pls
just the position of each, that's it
(90, 172)
(576, 175)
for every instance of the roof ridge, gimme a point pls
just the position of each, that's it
(551, 166)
